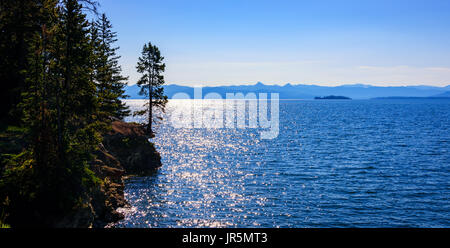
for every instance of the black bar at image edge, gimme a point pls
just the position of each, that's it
(232, 238)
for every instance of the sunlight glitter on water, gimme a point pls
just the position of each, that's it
(194, 184)
(335, 164)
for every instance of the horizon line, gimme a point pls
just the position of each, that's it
(194, 85)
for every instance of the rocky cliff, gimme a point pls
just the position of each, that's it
(128, 142)
(125, 151)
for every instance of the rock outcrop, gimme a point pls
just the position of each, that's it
(110, 196)
(125, 151)
(128, 142)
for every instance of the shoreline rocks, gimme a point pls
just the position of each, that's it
(129, 143)
(125, 151)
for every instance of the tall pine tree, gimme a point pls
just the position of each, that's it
(19, 22)
(151, 66)
(28, 182)
(107, 75)
(51, 177)
(62, 83)
(76, 102)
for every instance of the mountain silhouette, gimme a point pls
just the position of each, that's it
(300, 91)
(445, 94)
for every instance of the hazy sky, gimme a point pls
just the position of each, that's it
(222, 42)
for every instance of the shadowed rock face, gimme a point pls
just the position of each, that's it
(129, 143)
(99, 208)
(110, 196)
(125, 151)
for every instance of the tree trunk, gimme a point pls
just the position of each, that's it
(150, 104)
(59, 126)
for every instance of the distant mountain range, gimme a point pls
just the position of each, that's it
(289, 91)
(445, 94)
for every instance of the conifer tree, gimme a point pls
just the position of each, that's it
(39, 86)
(62, 82)
(26, 183)
(76, 102)
(60, 108)
(110, 82)
(18, 24)
(151, 65)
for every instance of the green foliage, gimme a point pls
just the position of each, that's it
(35, 196)
(3, 216)
(61, 83)
(17, 26)
(4, 226)
(17, 185)
(151, 66)
(107, 71)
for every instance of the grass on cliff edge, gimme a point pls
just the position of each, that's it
(4, 226)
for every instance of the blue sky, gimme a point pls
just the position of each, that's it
(224, 42)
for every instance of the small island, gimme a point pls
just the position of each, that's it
(333, 98)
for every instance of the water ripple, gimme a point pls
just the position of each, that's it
(335, 164)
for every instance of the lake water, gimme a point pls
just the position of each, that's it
(361, 163)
